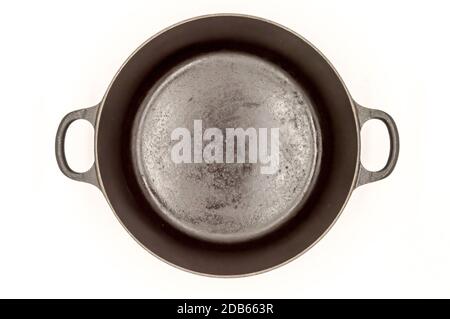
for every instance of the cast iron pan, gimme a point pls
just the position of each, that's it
(205, 76)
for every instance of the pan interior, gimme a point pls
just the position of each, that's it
(220, 201)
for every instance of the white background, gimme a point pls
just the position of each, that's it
(59, 238)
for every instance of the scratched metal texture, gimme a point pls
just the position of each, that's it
(223, 202)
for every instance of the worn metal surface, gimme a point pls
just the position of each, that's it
(221, 201)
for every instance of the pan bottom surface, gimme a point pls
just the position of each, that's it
(226, 146)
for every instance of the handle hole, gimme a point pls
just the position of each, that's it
(375, 145)
(79, 145)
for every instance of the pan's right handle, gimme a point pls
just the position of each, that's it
(365, 114)
(90, 176)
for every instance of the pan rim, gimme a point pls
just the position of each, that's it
(246, 16)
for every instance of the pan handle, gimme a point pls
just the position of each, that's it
(90, 176)
(365, 114)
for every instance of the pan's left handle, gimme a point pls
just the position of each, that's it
(365, 114)
(90, 176)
